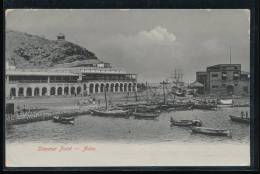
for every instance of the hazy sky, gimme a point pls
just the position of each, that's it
(151, 43)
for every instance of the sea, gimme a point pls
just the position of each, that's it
(88, 128)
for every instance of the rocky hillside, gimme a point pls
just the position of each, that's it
(25, 50)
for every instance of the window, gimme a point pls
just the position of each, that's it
(214, 86)
(236, 75)
(224, 75)
(214, 75)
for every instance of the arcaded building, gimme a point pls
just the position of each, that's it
(225, 79)
(89, 78)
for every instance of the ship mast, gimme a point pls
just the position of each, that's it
(106, 96)
(229, 54)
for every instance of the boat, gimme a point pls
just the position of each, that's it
(146, 109)
(211, 131)
(64, 120)
(186, 123)
(180, 108)
(205, 106)
(110, 113)
(240, 105)
(225, 102)
(138, 115)
(240, 119)
(179, 94)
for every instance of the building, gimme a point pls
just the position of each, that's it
(225, 79)
(60, 37)
(71, 81)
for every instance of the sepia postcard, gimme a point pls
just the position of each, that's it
(127, 87)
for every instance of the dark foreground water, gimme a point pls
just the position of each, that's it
(92, 128)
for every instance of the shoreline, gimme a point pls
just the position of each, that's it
(57, 106)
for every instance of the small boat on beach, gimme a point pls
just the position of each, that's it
(211, 131)
(138, 115)
(240, 119)
(186, 123)
(64, 120)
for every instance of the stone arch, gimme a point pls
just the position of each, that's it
(72, 90)
(21, 92)
(130, 87)
(121, 87)
(107, 86)
(102, 87)
(29, 91)
(112, 87)
(84, 87)
(36, 91)
(91, 88)
(12, 92)
(78, 90)
(96, 87)
(44, 91)
(125, 87)
(66, 90)
(53, 91)
(134, 87)
(59, 91)
(116, 87)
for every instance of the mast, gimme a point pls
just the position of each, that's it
(164, 96)
(164, 100)
(229, 54)
(106, 96)
(135, 95)
(146, 92)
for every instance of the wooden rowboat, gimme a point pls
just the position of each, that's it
(211, 131)
(186, 123)
(240, 119)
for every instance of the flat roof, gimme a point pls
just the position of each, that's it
(224, 65)
(47, 72)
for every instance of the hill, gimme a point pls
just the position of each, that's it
(26, 50)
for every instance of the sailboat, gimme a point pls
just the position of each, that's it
(110, 112)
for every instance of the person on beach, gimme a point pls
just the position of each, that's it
(246, 114)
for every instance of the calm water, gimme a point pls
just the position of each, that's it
(92, 128)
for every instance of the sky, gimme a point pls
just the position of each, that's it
(152, 43)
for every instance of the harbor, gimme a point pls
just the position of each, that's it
(90, 127)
